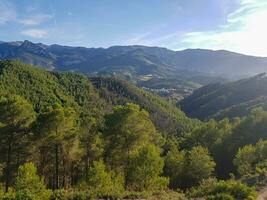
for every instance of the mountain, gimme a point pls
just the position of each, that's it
(227, 100)
(135, 61)
(95, 96)
(177, 73)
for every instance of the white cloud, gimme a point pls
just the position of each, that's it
(244, 32)
(35, 20)
(7, 12)
(35, 33)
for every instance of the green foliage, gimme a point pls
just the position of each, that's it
(144, 170)
(252, 159)
(200, 165)
(30, 185)
(80, 142)
(166, 117)
(244, 159)
(221, 196)
(129, 128)
(101, 183)
(17, 115)
(188, 168)
(175, 166)
(56, 133)
(54, 124)
(225, 190)
(249, 131)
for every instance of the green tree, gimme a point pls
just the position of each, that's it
(16, 117)
(212, 135)
(187, 168)
(56, 127)
(91, 141)
(251, 129)
(174, 168)
(251, 160)
(29, 184)
(144, 170)
(244, 159)
(128, 129)
(200, 165)
(102, 182)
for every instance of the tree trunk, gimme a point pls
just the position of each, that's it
(72, 175)
(87, 164)
(57, 167)
(8, 167)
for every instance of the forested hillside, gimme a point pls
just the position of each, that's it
(165, 116)
(230, 100)
(66, 136)
(96, 96)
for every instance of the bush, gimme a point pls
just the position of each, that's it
(221, 196)
(224, 190)
(71, 195)
(87, 195)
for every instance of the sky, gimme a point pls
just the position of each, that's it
(235, 25)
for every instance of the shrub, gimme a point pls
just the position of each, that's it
(224, 190)
(221, 196)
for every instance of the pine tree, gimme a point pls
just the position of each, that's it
(16, 117)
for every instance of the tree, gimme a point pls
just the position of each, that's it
(16, 117)
(30, 184)
(188, 167)
(91, 142)
(251, 129)
(250, 159)
(128, 129)
(174, 168)
(101, 182)
(244, 159)
(212, 135)
(56, 127)
(144, 170)
(199, 164)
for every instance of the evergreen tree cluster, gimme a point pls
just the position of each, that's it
(67, 136)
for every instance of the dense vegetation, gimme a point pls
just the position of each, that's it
(166, 117)
(65, 136)
(230, 100)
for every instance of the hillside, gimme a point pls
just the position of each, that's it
(134, 61)
(163, 114)
(43, 88)
(227, 100)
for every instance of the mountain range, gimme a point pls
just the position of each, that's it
(135, 62)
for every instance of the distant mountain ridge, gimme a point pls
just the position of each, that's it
(135, 61)
(234, 99)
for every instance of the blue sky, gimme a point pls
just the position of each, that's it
(236, 25)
